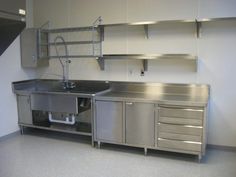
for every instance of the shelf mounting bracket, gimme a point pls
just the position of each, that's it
(145, 64)
(101, 63)
(146, 31)
(198, 28)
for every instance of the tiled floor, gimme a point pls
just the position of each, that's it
(36, 154)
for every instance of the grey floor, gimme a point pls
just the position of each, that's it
(37, 154)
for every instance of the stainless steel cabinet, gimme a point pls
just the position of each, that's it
(139, 124)
(24, 110)
(109, 121)
(125, 123)
(181, 129)
(32, 54)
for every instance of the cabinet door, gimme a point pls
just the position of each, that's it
(140, 123)
(24, 110)
(109, 121)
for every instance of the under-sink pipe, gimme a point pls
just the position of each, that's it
(67, 121)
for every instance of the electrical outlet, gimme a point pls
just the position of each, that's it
(142, 73)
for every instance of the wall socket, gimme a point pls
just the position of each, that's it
(142, 73)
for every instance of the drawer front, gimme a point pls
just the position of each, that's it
(180, 129)
(180, 121)
(191, 113)
(179, 145)
(181, 137)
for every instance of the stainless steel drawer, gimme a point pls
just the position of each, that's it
(179, 145)
(54, 103)
(180, 129)
(181, 137)
(180, 121)
(191, 113)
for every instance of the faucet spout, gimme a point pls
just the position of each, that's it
(65, 64)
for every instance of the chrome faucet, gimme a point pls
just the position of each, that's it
(65, 65)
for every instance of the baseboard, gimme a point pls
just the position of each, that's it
(220, 147)
(9, 135)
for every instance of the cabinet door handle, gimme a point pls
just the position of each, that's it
(129, 103)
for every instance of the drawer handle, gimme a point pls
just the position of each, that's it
(188, 126)
(129, 103)
(181, 108)
(188, 142)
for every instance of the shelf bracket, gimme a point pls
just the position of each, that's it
(146, 31)
(101, 30)
(198, 28)
(101, 63)
(196, 65)
(145, 64)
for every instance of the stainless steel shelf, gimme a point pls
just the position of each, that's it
(216, 19)
(149, 56)
(71, 43)
(148, 23)
(74, 56)
(72, 29)
(146, 57)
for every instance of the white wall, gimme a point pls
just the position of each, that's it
(215, 48)
(10, 70)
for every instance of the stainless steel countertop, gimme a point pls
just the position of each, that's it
(176, 94)
(155, 98)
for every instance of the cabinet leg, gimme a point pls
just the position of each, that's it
(92, 143)
(99, 145)
(22, 130)
(199, 158)
(145, 151)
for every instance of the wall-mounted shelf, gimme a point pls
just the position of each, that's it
(146, 24)
(98, 28)
(146, 57)
(216, 19)
(93, 41)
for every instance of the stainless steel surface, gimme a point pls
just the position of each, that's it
(148, 23)
(54, 103)
(140, 124)
(216, 19)
(71, 43)
(82, 87)
(31, 54)
(72, 29)
(75, 56)
(181, 145)
(180, 121)
(150, 56)
(176, 94)
(12, 21)
(56, 129)
(146, 57)
(180, 129)
(181, 137)
(180, 112)
(24, 110)
(92, 40)
(177, 112)
(109, 121)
